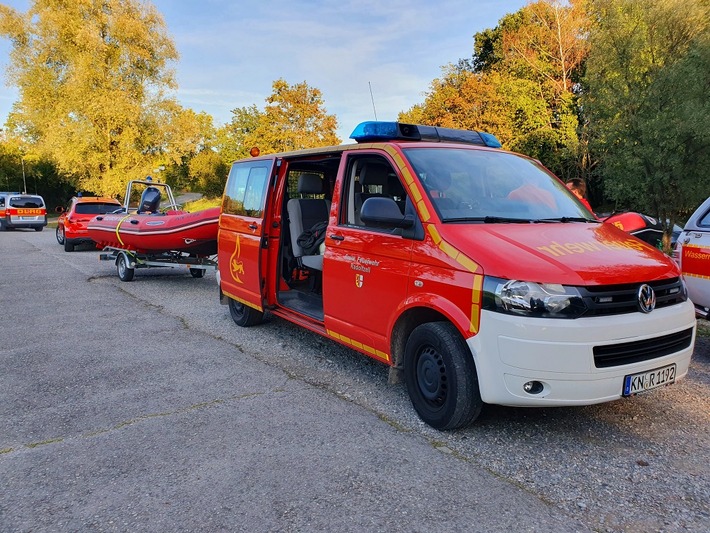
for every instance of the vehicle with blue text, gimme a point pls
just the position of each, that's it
(471, 271)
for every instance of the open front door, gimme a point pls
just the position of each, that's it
(241, 247)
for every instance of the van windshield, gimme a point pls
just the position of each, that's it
(469, 185)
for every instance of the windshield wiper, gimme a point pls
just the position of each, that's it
(565, 219)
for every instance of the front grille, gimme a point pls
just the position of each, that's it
(627, 353)
(617, 299)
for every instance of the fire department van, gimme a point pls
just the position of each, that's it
(471, 271)
(19, 210)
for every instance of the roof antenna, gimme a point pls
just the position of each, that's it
(373, 100)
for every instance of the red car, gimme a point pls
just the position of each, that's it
(71, 224)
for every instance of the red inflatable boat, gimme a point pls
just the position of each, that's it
(152, 230)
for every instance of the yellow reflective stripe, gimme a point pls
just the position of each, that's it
(476, 304)
(369, 349)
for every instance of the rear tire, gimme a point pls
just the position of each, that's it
(243, 315)
(59, 233)
(125, 273)
(39, 228)
(197, 272)
(68, 246)
(441, 376)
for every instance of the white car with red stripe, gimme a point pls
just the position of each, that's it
(692, 253)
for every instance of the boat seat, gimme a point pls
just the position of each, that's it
(303, 214)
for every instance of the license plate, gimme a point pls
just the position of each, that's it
(643, 381)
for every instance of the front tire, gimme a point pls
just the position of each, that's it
(125, 273)
(441, 376)
(243, 315)
(59, 233)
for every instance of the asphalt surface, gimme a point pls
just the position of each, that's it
(141, 407)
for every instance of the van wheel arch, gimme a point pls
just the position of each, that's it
(401, 331)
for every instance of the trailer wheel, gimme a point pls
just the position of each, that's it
(197, 272)
(125, 273)
(441, 376)
(243, 315)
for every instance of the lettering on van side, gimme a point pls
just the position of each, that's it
(556, 249)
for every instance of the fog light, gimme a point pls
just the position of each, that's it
(533, 387)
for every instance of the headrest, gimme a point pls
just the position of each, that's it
(439, 182)
(310, 184)
(374, 174)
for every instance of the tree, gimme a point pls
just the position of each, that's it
(236, 138)
(648, 77)
(92, 77)
(293, 118)
(520, 84)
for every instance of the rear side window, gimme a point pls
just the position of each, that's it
(26, 201)
(704, 221)
(246, 188)
(95, 209)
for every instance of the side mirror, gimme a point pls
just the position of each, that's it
(384, 213)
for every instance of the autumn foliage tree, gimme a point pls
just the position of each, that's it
(293, 118)
(519, 85)
(92, 78)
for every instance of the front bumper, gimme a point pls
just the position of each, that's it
(510, 351)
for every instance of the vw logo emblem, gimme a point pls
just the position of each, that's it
(646, 298)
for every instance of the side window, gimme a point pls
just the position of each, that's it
(704, 222)
(370, 177)
(246, 187)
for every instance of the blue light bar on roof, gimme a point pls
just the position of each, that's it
(373, 131)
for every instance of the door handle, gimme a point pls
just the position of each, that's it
(337, 237)
(253, 226)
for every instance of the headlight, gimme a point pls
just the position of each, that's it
(528, 298)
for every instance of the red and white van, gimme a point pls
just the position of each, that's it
(19, 210)
(471, 271)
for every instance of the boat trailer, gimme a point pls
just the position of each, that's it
(127, 261)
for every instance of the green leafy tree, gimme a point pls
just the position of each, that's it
(647, 86)
(209, 172)
(92, 77)
(236, 138)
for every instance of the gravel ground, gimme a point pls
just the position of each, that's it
(628, 466)
(632, 465)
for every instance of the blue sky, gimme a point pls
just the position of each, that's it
(232, 51)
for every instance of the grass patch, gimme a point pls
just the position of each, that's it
(201, 204)
(703, 328)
